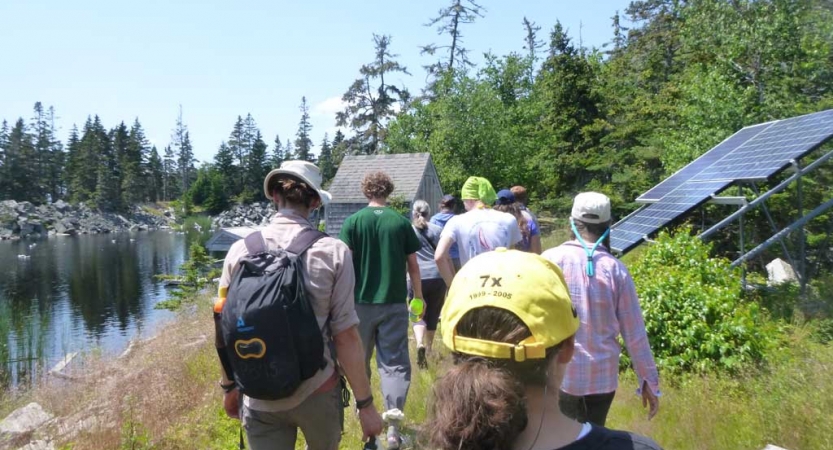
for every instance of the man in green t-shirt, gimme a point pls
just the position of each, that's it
(383, 245)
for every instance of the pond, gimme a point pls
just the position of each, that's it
(78, 294)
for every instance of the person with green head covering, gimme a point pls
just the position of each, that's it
(481, 229)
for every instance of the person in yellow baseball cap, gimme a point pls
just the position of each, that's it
(510, 325)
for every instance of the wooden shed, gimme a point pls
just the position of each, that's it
(414, 177)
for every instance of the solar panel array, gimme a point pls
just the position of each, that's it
(753, 153)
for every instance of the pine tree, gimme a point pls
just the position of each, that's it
(325, 161)
(370, 101)
(257, 166)
(303, 143)
(155, 176)
(85, 161)
(277, 156)
(43, 142)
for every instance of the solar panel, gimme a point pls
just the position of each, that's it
(771, 151)
(631, 231)
(704, 161)
(753, 153)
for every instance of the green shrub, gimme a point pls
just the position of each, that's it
(695, 312)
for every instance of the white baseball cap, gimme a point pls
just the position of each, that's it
(305, 171)
(591, 207)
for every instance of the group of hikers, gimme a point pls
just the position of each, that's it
(533, 335)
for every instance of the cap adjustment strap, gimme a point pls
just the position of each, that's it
(526, 349)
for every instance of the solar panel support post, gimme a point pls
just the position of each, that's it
(774, 227)
(780, 187)
(742, 243)
(801, 237)
(781, 234)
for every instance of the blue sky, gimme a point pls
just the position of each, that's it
(123, 60)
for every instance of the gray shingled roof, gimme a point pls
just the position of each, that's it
(406, 170)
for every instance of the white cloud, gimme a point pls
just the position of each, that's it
(328, 107)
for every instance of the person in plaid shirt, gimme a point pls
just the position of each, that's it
(604, 294)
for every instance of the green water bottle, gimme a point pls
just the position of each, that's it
(415, 309)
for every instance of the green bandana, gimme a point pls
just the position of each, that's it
(479, 188)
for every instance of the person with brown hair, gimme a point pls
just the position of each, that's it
(605, 296)
(510, 324)
(315, 406)
(384, 244)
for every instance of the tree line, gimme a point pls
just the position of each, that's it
(115, 169)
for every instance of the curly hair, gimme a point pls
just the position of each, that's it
(377, 185)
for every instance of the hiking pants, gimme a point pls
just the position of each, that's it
(319, 417)
(591, 408)
(385, 328)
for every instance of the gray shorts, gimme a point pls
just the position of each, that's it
(319, 417)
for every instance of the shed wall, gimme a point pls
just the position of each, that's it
(337, 213)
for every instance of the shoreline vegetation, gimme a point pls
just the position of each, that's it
(161, 393)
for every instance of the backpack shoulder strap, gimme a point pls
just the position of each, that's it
(255, 243)
(304, 240)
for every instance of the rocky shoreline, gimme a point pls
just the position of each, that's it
(251, 215)
(23, 220)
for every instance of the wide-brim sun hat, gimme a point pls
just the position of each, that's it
(525, 284)
(305, 171)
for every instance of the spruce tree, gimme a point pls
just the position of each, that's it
(72, 172)
(171, 179)
(155, 176)
(370, 100)
(107, 194)
(181, 147)
(325, 161)
(237, 147)
(289, 152)
(135, 183)
(56, 180)
(43, 143)
(21, 163)
(224, 165)
(257, 167)
(450, 21)
(4, 161)
(339, 148)
(277, 156)
(303, 143)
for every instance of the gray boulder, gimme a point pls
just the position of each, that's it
(24, 420)
(61, 206)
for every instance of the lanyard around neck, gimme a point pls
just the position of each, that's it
(589, 252)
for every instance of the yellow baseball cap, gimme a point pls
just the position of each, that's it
(525, 284)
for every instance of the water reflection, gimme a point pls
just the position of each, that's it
(68, 294)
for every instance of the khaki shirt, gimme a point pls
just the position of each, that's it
(329, 281)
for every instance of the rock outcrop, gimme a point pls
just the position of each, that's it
(27, 221)
(245, 216)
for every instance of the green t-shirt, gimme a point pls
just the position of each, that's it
(381, 240)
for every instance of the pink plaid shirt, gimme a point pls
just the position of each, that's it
(607, 306)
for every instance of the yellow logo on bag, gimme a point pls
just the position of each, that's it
(252, 348)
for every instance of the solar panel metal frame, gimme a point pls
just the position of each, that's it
(803, 147)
